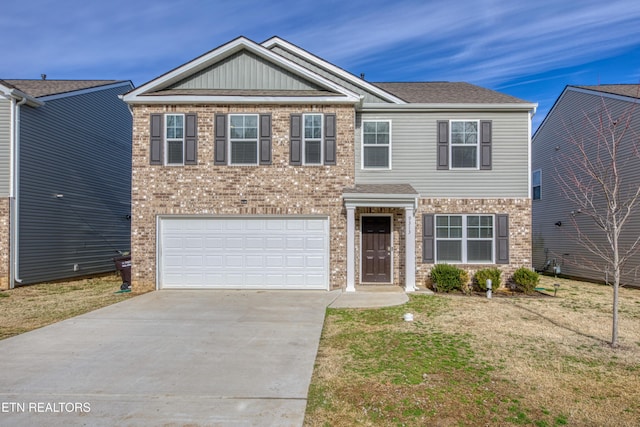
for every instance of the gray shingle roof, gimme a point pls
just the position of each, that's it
(38, 88)
(630, 90)
(446, 93)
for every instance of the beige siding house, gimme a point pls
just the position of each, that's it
(577, 115)
(262, 166)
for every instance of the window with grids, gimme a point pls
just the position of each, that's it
(174, 137)
(243, 138)
(466, 239)
(312, 140)
(376, 145)
(464, 144)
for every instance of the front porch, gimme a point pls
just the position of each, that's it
(383, 217)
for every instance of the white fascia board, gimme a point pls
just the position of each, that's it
(227, 50)
(377, 108)
(191, 99)
(380, 200)
(333, 69)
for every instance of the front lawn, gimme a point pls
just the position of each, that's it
(468, 361)
(29, 307)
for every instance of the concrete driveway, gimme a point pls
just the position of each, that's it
(169, 358)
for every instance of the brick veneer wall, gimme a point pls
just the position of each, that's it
(276, 189)
(5, 245)
(519, 211)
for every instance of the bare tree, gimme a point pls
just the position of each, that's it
(594, 176)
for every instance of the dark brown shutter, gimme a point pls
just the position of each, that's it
(220, 142)
(155, 151)
(485, 145)
(191, 139)
(330, 139)
(502, 239)
(443, 145)
(428, 238)
(265, 139)
(295, 142)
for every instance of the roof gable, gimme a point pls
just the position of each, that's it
(245, 70)
(226, 73)
(371, 92)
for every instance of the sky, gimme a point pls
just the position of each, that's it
(527, 49)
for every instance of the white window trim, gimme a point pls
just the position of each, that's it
(464, 239)
(257, 139)
(534, 186)
(167, 139)
(451, 144)
(362, 145)
(304, 140)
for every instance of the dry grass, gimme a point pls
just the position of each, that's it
(30, 307)
(470, 361)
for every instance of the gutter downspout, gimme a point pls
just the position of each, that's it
(13, 195)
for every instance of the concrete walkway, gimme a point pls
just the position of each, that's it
(173, 358)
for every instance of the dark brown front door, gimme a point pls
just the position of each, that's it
(376, 249)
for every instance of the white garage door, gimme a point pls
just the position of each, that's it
(244, 253)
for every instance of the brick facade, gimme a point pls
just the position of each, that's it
(276, 189)
(5, 243)
(519, 211)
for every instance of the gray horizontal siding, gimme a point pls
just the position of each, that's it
(5, 147)
(550, 149)
(414, 156)
(368, 96)
(80, 147)
(246, 71)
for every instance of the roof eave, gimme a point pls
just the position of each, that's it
(183, 99)
(428, 107)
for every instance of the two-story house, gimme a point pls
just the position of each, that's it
(264, 166)
(65, 178)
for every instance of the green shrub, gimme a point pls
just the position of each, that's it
(447, 278)
(492, 273)
(526, 280)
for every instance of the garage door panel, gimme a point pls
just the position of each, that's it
(257, 253)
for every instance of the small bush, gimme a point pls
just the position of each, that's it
(492, 273)
(447, 278)
(526, 280)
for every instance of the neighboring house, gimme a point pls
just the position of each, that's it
(575, 113)
(264, 166)
(65, 178)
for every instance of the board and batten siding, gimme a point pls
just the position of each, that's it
(245, 71)
(414, 156)
(5, 147)
(550, 148)
(78, 147)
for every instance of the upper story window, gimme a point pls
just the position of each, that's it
(174, 139)
(243, 139)
(464, 144)
(312, 140)
(465, 239)
(376, 144)
(536, 184)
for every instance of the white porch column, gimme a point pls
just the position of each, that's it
(410, 249)
(351, 249)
